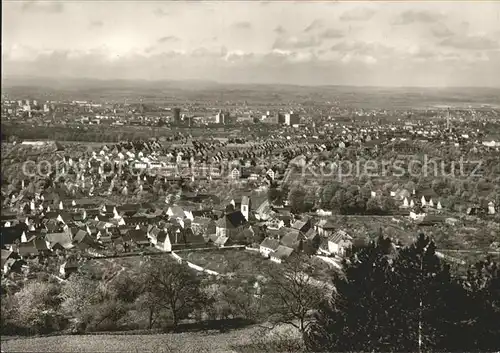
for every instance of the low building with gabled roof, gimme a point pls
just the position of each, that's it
(336, 244)
(281, 254)
(268, 246)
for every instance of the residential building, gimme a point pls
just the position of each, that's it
(336, 244)
(268, 246)
(281, 254)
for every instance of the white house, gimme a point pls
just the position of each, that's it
(268, 246)
(235, 174)
(491, 208)
(336, 244)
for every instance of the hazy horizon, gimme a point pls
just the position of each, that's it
(357, 44)
(46, 80)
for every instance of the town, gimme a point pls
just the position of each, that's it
(242, 177)
(295, 191)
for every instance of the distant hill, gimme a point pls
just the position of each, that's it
(193, 90)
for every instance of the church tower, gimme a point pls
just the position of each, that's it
(246, 205)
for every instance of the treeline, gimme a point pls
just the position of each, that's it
(355, 196)
(341, 198)
(87, 134)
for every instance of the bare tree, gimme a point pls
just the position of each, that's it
(173, 288)
(293, 293)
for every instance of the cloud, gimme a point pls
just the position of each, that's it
(355, 58)
(242, 25)
(362, 48)
(357, 14)
(277, 66)
(237, 55)
(419, 53)
(412, 16)
(43, 6)
(168, 39)
(280, 30)
(96, 24)
(205, 53)
(296, 42)
(470, 43)
(316, 24)
(331, 33)
(441, 31)
(279, 57)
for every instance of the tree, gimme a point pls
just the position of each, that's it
(172, 289)
(79, 297)
(234, 297)
(328, 193)
(388, 300)
(274, 195)
(481, 329)
(35, 307)
(296, 197)
(293, 293)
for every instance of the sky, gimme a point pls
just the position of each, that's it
(373, 43)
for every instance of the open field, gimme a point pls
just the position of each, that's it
(112, 267)
(186, 342)
(244, 263)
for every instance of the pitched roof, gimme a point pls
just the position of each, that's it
(138, 236)
(264, 208)
(161, 236)
(221, 240)
(63, 239)
(5, 255)
(193, 238)
(339, 236)
(270, 243)
(299, 224)
(291, 238)
(326, 224)
(79, 235)
(282, 252)
(40, 244)
(8, 235)
(232, 220)
(26, 249)
(245, 200)
(177, 211)
(310, 234)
